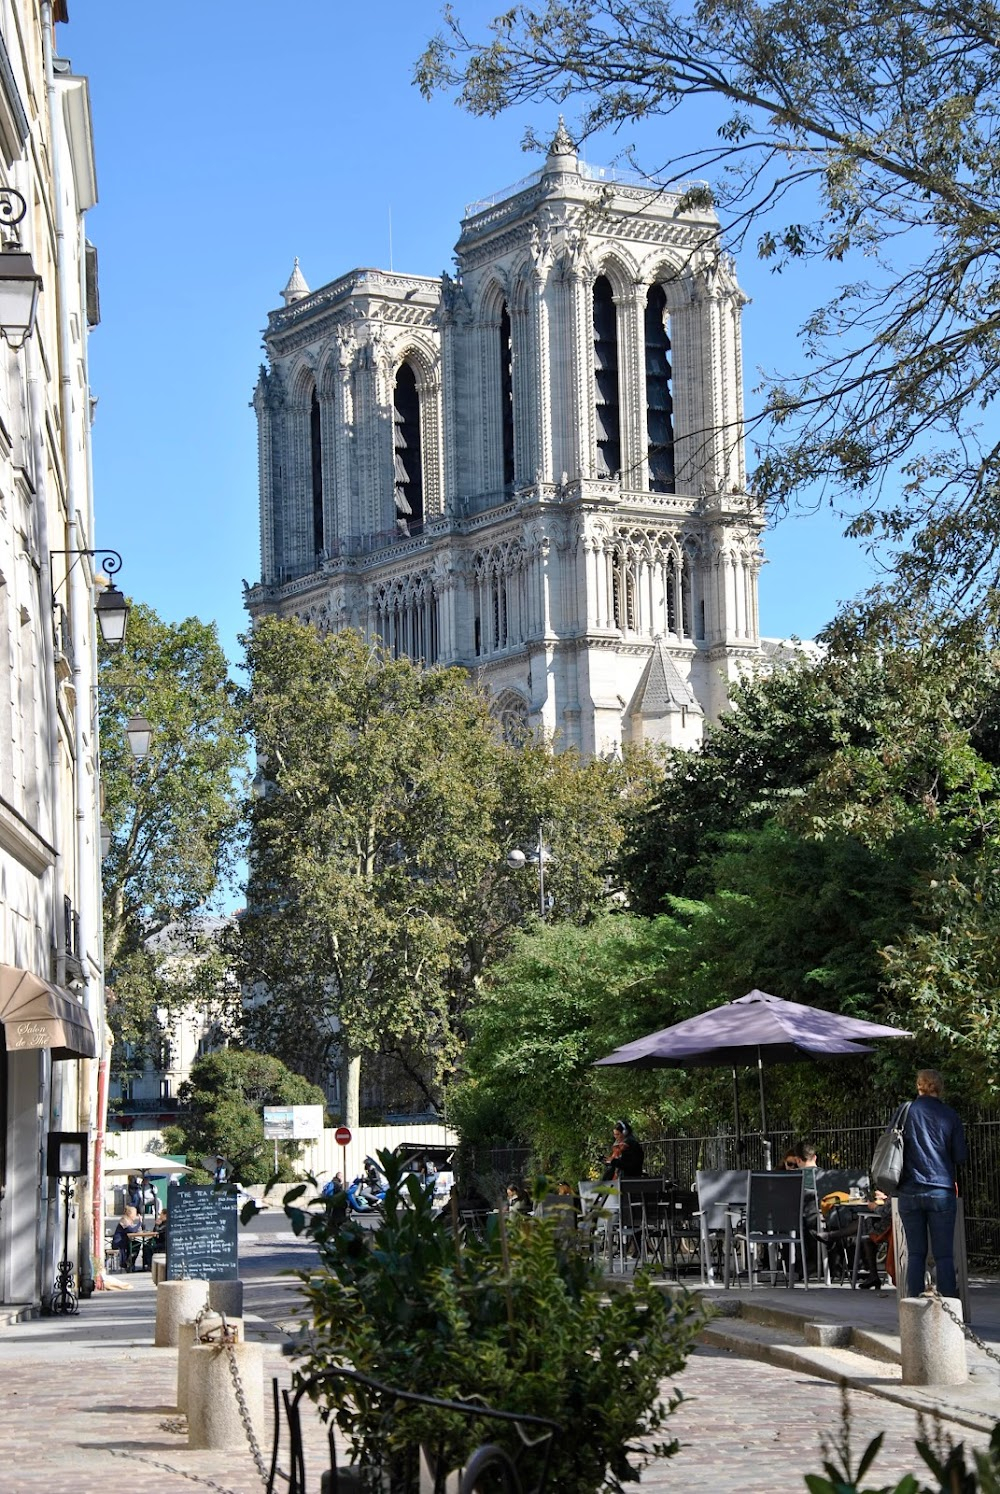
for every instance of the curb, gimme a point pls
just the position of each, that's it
(855, 1364)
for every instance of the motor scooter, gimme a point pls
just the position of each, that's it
(366, 1193)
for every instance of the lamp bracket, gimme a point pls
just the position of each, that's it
(12, 207)
(111, 561)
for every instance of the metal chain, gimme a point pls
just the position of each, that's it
(194, 1478)
(226, 1337)
(949, 1313)
(229, 1341)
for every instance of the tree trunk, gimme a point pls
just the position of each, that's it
(352, 1090)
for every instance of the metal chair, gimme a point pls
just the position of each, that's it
(642, 1221)
(773, 1218)
(719, 1191)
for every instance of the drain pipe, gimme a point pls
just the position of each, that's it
(81, 624)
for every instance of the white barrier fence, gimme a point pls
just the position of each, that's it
(324, 1158)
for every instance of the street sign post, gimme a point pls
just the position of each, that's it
(342, 1136)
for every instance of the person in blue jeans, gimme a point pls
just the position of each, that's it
(933, 1148)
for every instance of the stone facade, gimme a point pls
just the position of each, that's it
(533, 469)
(50, 901)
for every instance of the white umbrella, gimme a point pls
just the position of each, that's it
(145, 1162)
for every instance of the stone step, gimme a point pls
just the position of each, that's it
(12, 1313)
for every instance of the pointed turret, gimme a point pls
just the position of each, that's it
(296, 287)
(562, 151)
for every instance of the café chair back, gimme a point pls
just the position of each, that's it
(719, 1191)
(773, 1218)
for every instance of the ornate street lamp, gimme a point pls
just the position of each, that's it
(111, 608)
(20, 283)
(140, 734)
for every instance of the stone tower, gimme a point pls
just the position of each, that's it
(533, 469)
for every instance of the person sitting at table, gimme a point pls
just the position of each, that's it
(842, 1230)
(518, 1199)
(626, 1157)
(156, 1243)
(128, 1225)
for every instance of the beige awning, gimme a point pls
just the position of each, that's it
(37, 1014)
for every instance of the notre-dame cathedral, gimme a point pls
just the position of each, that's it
(533, 469)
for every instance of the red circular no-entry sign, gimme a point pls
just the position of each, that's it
(342, 1135)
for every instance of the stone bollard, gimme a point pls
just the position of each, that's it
(185, 1342)
(177, 1302)
(213, 1411)
(226, 1295)
(932, 1346)
(158, 1269)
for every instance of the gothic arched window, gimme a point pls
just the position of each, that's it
(659, 399)
(316, 462)
(607, 411)
(407, 459)
(506, 397)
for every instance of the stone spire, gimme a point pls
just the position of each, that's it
(562, 151)
(296, 287)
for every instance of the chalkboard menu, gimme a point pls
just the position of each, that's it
(201, 1233)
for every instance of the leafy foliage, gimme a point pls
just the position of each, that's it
(379, 887)
(859, 135)
(174, 817)
(223, 1102)
(556, 1003)
(951, 1472)
(519, 1319)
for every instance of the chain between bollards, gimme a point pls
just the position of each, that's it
(936, 1296)
(226, 1337)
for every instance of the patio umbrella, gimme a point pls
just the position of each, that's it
(146, 1162)
(755, 1029)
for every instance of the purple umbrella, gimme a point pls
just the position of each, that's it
(756, 1029)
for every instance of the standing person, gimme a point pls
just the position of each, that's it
(626, 1157)
(221, 1174)
(933, 1147)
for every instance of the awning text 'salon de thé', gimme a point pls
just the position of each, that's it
(37, 1014)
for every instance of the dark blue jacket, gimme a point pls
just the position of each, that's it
(933, 1145)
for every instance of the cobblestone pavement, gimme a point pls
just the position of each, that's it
(87, 1407)
(756, 1428)
(103, 1419)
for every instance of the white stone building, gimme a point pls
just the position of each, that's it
(51, 991)
(533, 469)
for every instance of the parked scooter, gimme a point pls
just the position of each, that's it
(366, 1193)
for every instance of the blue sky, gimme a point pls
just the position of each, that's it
(230, 139)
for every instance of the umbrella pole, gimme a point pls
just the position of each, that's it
(763, 1113)
(736, 1115)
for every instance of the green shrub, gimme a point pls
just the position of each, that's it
(520, 1319)
(946, 1462)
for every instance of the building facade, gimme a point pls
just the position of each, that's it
(533, 469)
(51, 991)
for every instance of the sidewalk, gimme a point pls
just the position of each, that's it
(89, 1403)
(853, 1337)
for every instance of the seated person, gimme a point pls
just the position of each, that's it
(156, 1243)
(842, 1231)
(794, 1162)
(128, 1225)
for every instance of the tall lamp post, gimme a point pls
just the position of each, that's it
(540, 853)
(66, 1159)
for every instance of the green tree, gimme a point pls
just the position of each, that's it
(860, 135)
(376, 828)
(174, 817)
(379, 887)
(564, 996)
(223, 1102)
